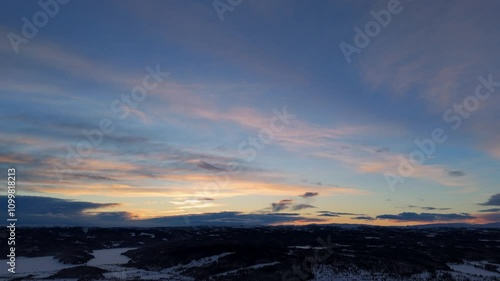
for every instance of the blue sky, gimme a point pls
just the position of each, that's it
(258, 117)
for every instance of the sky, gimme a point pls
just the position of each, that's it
(179, 113)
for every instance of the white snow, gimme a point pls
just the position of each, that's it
(327, 273)
(33, 265)
(46, 266)
(109, 256)
(470, 269)
(112, 260)
(257, 266)
(203, 261)
(139, 274)
(147, 234)
(307, 247)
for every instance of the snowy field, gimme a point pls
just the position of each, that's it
(473, 269)
(109, 256)
(33, 265)
(461, 272)
(112, 261)
(42, 267)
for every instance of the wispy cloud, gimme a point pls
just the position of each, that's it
(301, 207)
(57, 57)
(206, 166)
(426, 208)
(365, 218)
(455, 173)
(336, 214)
(439, 71)
(281, 205)
(438, 67)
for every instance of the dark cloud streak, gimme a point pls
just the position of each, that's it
(493, 201)
(309, 194)
(301, 207)
(281, 205)
(494, 210)
(455, 173)
(425, 217)
(366, 218)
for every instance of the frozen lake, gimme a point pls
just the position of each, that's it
(32, 265)
(109, 256)
(41, 266)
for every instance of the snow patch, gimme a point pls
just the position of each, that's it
(469, 268)
(109, 256)
(257, 266)
(34, 265)
(147, 234)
